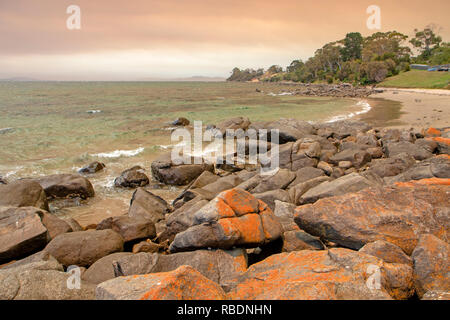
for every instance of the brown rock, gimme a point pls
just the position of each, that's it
(394, 214)
(234, 217)
(23, 193)
(21, 232)
(184, 283)
(387, 251)
(103, 270)
(54, 225)
(66, 186)
(132, 178)
(431, 265)
(335, 274)
(145, 204)
(83, 248)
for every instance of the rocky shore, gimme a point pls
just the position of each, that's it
(353, 212)
(341, 90)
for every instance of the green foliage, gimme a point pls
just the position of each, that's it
(425, 41)
(245, 75)
(353, 43)
(358, 60)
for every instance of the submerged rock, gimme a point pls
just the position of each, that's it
(181, 122)
(132, 178)
(92, 167)
(177, 174)
(66, 186)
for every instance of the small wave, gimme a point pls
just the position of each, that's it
(119, 153)
(280, 94)
(94, 111)
(365, 108)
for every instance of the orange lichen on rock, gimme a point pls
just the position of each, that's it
(249, 227)
(327, 274)
(242, 202)
(433, 132)
(441, 140)
(224, 210)
(234, 217)
(429, 181)
(184, 283)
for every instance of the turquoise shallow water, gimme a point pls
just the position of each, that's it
(58, 127)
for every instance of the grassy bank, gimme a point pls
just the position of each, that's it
(419, 79)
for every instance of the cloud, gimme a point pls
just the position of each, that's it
(180, 33)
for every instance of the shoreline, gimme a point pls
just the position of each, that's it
(419, 108)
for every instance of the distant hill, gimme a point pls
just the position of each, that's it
(192, 79)
(19, 79)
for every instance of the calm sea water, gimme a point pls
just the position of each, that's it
(58, 127)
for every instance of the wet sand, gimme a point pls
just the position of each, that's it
(418, 108)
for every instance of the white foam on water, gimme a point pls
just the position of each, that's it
(365, 108)
(280, 94)
(119, 153)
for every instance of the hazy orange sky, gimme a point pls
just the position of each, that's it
(136, 39)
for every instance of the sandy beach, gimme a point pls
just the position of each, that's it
(420, 108)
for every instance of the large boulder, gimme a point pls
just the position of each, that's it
(132, 178)
(394, 214)
(387, 251)
(23, 193)
(431, 265)
(280, 180)
(233, 218)
(296, 240)
(184, 283)
(345, 184)
(83, 248)
(393, 166)
(436, 167)
(54, 225)
(335, 274)
(146, 205)
(418, 152)
(21, 232)
(182, 218)
(42, 280)
(66, 186)
(103, 269)
(130, 228)
(220, 266)
(164, 170)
